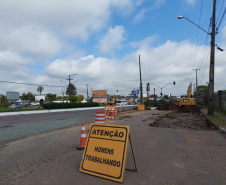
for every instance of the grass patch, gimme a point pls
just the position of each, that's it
(220, 111)
(5, 109)
(217, 120)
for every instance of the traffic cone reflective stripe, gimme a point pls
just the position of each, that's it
(83, 138)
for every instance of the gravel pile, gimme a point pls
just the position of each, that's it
(177, 120)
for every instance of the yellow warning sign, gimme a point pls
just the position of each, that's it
(105, 152)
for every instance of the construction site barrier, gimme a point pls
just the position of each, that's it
(100, 116)
(141, 107)
(110, 111)
(83, 138)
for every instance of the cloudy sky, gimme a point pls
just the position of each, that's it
(43, 42)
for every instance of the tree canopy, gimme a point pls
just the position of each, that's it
(202, 90)
(28, 96)
(51, 97)
(40, 89)
(73, 89)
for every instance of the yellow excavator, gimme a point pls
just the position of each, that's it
(112, 100)
(189, 100)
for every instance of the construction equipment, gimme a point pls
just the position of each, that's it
(174, 100)
(112, 100)
(189, 100)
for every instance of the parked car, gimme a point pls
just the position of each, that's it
(35, 103)
(121, 103)
(15, 106)
(26, 102)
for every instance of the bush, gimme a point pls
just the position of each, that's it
(5, 104)
(68, 105)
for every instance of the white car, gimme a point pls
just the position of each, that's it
(35, 103)
(121, 103)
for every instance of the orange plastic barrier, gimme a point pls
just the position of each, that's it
(100, 116)
(83, 138)
(111, 114)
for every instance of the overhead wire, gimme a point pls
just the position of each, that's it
(200, 15)
(21, 83)
(223, 1)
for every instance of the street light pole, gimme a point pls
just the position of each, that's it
(164, 86)
(141, 88)
(212, 59)
(196, 94)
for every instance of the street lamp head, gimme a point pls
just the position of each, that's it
(180, 17)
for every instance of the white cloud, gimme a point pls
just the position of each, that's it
(75, 19)
(29, 39)
(144, 42)
(191, 1)
(112, 40)
(160, 65)
(140, 15)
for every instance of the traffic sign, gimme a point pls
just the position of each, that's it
(105, 152)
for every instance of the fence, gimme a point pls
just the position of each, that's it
(220, 100)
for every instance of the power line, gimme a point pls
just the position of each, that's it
(221, 19)
(200, 14)
(30, 84)
(223, 1)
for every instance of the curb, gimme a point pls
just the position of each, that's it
(222, 130)
(51, 110)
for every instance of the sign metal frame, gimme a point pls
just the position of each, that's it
(85, 165)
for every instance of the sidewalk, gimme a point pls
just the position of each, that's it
(52, 110)
(222, 116)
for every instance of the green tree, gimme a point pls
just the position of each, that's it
(202, 90)
(28, 96)
(80, 98)
(74, 98)
(40, 89)
(73, 89)
(3, 99)
(51, 97)
(59, 98)
(23, 96)
(166, 97)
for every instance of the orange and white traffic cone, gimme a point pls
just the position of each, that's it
(83, 138)
(120, 109)
(126, 108)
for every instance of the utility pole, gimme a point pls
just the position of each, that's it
(69, 79)
(87, 90)
(148, 89)
(196, 94)
(141, 88)
(212, 61)
(154, 94)
(63, 95)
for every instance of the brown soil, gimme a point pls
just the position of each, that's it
(178, 119)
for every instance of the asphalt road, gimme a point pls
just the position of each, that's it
(164, 156)
(20, 126)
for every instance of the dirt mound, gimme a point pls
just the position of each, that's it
(178, 119)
